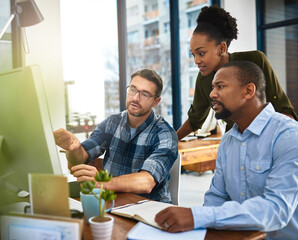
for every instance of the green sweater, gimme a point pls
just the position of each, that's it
(200, 108)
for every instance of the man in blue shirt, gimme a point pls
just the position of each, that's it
(255, 186)
(140, 147)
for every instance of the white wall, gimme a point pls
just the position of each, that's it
(245, 13)
(44, 41)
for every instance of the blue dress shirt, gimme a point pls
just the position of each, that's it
(152, 147)
(255, 186)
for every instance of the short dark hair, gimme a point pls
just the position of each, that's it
(151, 76)
(217, 24)
(249, 72)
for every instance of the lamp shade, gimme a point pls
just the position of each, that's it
(28, 13)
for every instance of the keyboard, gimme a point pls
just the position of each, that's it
(75, 205)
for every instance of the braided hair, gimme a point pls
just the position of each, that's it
(217, 24)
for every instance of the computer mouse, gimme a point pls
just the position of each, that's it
(23, 194)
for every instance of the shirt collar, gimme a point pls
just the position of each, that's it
(145, 124)
(259, 123)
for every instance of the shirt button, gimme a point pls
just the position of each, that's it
(243, 144)
(242, 194)
(242, 168)
(258, 167)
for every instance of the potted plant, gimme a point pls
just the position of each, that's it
(94, 203)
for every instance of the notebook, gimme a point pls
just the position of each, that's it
(143, 211)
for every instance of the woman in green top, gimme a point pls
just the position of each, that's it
(209, 46)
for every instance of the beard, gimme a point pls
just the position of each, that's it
(140, 113)
(224, 113)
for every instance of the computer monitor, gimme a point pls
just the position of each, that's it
(26, 136)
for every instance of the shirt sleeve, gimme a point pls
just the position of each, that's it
(200, 108)
(163, 156)
(269, 212)
(95, 144)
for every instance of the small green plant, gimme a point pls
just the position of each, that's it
(105, 194)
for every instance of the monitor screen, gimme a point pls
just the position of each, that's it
(26, 136)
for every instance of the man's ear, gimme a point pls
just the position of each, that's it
(250, 91)
(156, 101)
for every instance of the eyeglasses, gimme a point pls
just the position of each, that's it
(132, 91)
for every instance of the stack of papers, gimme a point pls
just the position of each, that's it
(142, 231)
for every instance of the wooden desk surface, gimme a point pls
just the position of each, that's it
(199, 155)
(123, 225)
(199, 143)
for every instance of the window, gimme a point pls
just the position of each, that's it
(166, 27)
(189, 71)
(192, 18)
(278, 38)
(132, 11)
(6, 40)
(152, 48)
(90, 62)
(132, 37)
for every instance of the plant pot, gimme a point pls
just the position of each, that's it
(91, 205)
(101, 228)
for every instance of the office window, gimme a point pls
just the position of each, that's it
(132, 11)
(6, 63)
(192, 18)
(166, 27)
(133, 37)
(152, 50)
(279, 27)
(90, 62)
(189, 12)
(276, 10)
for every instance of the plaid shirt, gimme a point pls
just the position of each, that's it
(153, 147)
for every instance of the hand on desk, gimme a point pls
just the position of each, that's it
(175, 219)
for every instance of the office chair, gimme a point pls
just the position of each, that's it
(174, 184)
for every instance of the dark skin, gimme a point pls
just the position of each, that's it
(179, 219)
(244, 105)
(208, 57)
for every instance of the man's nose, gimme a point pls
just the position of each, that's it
(137, 96)
(213, 94)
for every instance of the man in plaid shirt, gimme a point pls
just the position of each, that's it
(140, 147)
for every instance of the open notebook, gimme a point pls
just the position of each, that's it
(143, 211)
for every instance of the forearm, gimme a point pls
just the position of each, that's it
(141, 182)
(184, 130)
(78, 156)
(254, 214)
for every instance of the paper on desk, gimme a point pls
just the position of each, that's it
(143, 231)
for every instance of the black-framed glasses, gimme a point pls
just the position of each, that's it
(132, 91)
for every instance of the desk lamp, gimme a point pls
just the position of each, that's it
(27, 12)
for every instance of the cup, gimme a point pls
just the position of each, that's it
(91, 204)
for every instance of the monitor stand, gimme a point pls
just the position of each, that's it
(10, 200)
(13, 199)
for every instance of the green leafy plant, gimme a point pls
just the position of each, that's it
(105, 194)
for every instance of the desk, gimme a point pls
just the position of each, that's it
(123, 225)
(199, 155)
